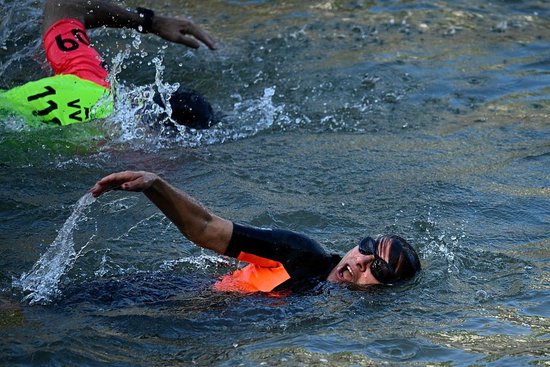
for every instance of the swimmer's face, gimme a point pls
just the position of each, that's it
(382, 261)
(354, 268)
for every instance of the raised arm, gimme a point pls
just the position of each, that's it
(97, 13)
(193, 220)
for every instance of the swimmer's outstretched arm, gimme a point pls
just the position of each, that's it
(193, 220)
(97, 13)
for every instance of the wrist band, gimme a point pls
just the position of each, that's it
(147, 23)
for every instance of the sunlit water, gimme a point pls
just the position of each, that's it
(338, 119)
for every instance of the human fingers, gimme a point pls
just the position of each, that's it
(188, 41)
(202, 36)
(187, 27)
(113, 181)
(139, 181)
(181, 30)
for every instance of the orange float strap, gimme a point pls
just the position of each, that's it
(260, 275)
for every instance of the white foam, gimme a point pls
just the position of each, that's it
(41, 283)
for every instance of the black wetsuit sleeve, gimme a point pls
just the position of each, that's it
(301, 256)
(274, 244)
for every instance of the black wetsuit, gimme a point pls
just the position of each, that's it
(279, 260)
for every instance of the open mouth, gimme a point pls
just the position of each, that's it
(345, 273)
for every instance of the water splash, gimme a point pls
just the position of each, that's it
(138, 121)
(202, 261)
(265, 112)
(441, 243)
(17, 26)
(137, 118)
(41, 283)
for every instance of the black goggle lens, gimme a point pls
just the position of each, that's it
(379, 268)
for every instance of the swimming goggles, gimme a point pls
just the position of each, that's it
(379, 268)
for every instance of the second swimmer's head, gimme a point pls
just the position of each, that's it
(189, 108)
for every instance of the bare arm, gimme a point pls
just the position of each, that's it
(193, 220)
(98, 13)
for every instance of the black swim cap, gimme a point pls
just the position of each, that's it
(403, 260)
(189, 108)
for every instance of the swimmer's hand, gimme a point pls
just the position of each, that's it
(127, 181)
(181, 30)
(99, 13)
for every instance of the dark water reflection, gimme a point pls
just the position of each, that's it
(426, 119)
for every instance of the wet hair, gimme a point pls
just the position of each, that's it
(403, 258)
(189, 108)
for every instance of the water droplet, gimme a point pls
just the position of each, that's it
(481, 296)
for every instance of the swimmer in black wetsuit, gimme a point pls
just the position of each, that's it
(278, 259)
(79, 91)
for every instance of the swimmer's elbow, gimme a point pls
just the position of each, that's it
(214, 234)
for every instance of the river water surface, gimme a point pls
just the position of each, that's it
(338, 119)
